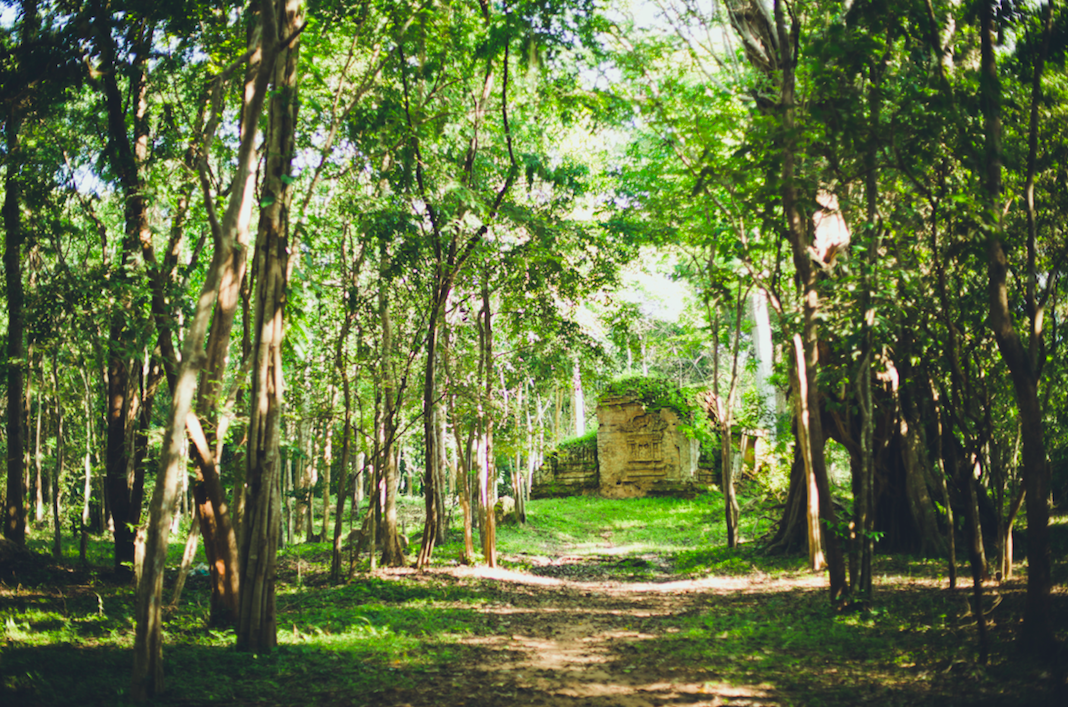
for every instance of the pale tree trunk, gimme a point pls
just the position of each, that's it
(431, 459)
(803, 414)
(341, 363)
(57, 477)
(213, 513)
(578, 401)
(147, 679)
(38, 458)
(807, 356)
(188, 554)
(392, 553)
(487, 466)
(288, 505)
(769, 45)
(463, 463)
(725, 412)
(302, 475)
(310, 479)
(256, 623)
(346, 453)
(328, 461)
(558, 398)
(442, 470)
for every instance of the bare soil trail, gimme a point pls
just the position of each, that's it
(561, 641)
(570, 633)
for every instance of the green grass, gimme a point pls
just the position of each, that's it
(66, 638)
(592, 526)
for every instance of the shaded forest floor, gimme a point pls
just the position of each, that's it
(596, 619)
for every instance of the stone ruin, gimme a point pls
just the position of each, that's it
(570, 471)
(643, 453)
(638, 453)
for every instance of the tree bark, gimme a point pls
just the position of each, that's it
(1024, 365)
(392, 553)
(14, 503)
(808, 357)
(147, 679)
(125, 490)
(431, 489)
(256, 624)
(488, 466)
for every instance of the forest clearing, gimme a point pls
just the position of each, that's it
(638, 605)
(647, 351)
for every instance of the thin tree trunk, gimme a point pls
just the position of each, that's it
(430, 387)
(463, 464)
(578, 401)
(341, 363)
(125, 490)
(804, 417)
(57, 477)
(392, 553)
(343, 481)
(38, 467)
(187, 559)
(976, 558)
(488, 466)
(328, 461)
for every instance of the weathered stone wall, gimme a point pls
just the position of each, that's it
(642, 453)
(567, 472)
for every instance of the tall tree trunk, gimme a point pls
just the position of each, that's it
(392, 553)
(125, 490)
(578, 401)
(1024, 364)
(808, 358)
(442, 470)
(147, 679)
(213, 513)
(346, 454)
(488, 466)
(726, 416)
(15, 500)
(328, 462)
(463, 463)
(57, 476)
(15, 504)
(38, 466)
(431, 488)
(256, 624)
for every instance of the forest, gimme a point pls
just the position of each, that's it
(299, 296)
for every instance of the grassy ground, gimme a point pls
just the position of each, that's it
(658, 592)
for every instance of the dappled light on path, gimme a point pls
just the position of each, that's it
(594, 642)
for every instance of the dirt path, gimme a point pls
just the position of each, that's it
(556, 642)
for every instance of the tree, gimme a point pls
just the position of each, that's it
(1024, 363)
(17, 103)
(282, 23)
(148, 654)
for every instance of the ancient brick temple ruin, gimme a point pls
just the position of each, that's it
(639, 452)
